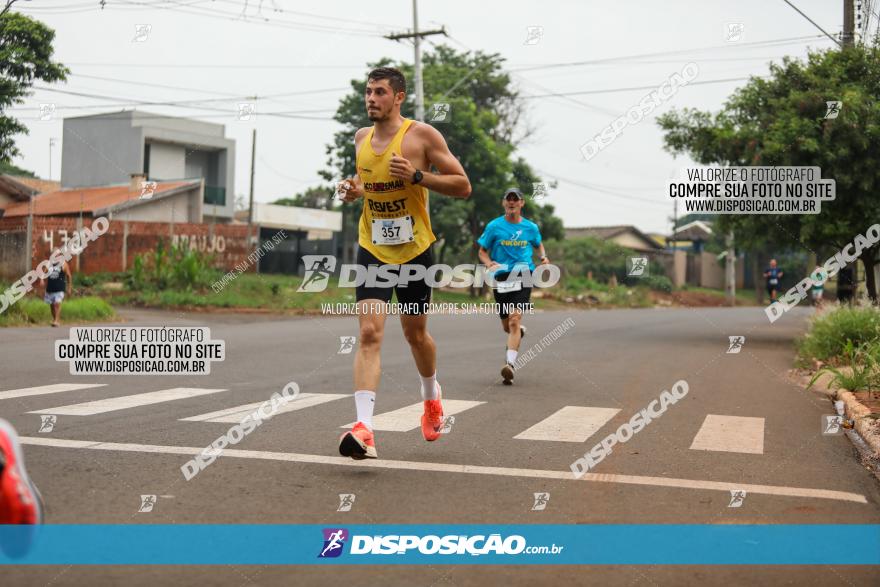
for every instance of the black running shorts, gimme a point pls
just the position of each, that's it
(414, 298)
(520, 297)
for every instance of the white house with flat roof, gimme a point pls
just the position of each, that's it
(106, 149)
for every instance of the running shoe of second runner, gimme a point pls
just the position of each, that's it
(507, 374)
(508, 369)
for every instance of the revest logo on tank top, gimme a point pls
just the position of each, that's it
(383, 186)
(384, 207)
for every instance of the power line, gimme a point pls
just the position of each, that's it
(212, 66)
(142, 83)
(184, 102)
(281, 23)
(191, 104)
(193, 9)
(593, 187)
(768, 43)
(321, 17)
(813, 23)
(567, 99)
(285, 176)
(611, 90)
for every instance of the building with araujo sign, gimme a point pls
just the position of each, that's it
(309, 231)
(107, 149)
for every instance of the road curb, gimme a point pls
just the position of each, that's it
(867, 427)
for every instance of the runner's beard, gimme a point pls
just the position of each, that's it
(377, 115)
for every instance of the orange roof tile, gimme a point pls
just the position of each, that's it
(87, 200)
(41, 185)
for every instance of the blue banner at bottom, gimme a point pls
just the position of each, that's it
(464, 544)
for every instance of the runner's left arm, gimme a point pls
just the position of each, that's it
(538, 243)
(543, 254)
(451, 179)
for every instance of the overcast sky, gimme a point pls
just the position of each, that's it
(218, 50)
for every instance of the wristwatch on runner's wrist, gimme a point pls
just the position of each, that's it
(417, 176)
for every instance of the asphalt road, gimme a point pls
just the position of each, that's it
(767, 438)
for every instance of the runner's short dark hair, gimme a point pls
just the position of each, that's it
(395, 77)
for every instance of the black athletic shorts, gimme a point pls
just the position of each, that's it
(414, 298)
(521, 297)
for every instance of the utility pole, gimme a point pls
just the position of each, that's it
(253, 157)
(674, 218)
(51, 144)
(849, 22)
(416, 36)
(730, 270)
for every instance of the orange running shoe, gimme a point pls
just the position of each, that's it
(432, 419)
(358, 443)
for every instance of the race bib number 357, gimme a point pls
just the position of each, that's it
(396, 231)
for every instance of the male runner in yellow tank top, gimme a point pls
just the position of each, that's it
(394, 160)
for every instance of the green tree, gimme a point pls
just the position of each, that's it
(7, 168)
(781, 121)
(485, 124)
(25, 55)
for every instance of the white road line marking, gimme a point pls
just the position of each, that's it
(236, 414)
(127, 401)
(569, 424)
(410, 417)
(452, 468)
(46, 389)
(731, 434)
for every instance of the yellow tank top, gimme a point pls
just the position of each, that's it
(387, 201)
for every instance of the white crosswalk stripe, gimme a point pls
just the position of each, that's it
(569, 424)
(128, 401)
(576, 424)
(730, 434)
(47, 389)
(409, 417)
(236, 414)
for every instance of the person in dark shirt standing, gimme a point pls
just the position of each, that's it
(57, 283)
(773, 275)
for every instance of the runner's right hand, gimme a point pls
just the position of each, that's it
(351, 189)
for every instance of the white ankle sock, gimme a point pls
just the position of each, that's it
(364, 401)
(429, 387)
(511, 356)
